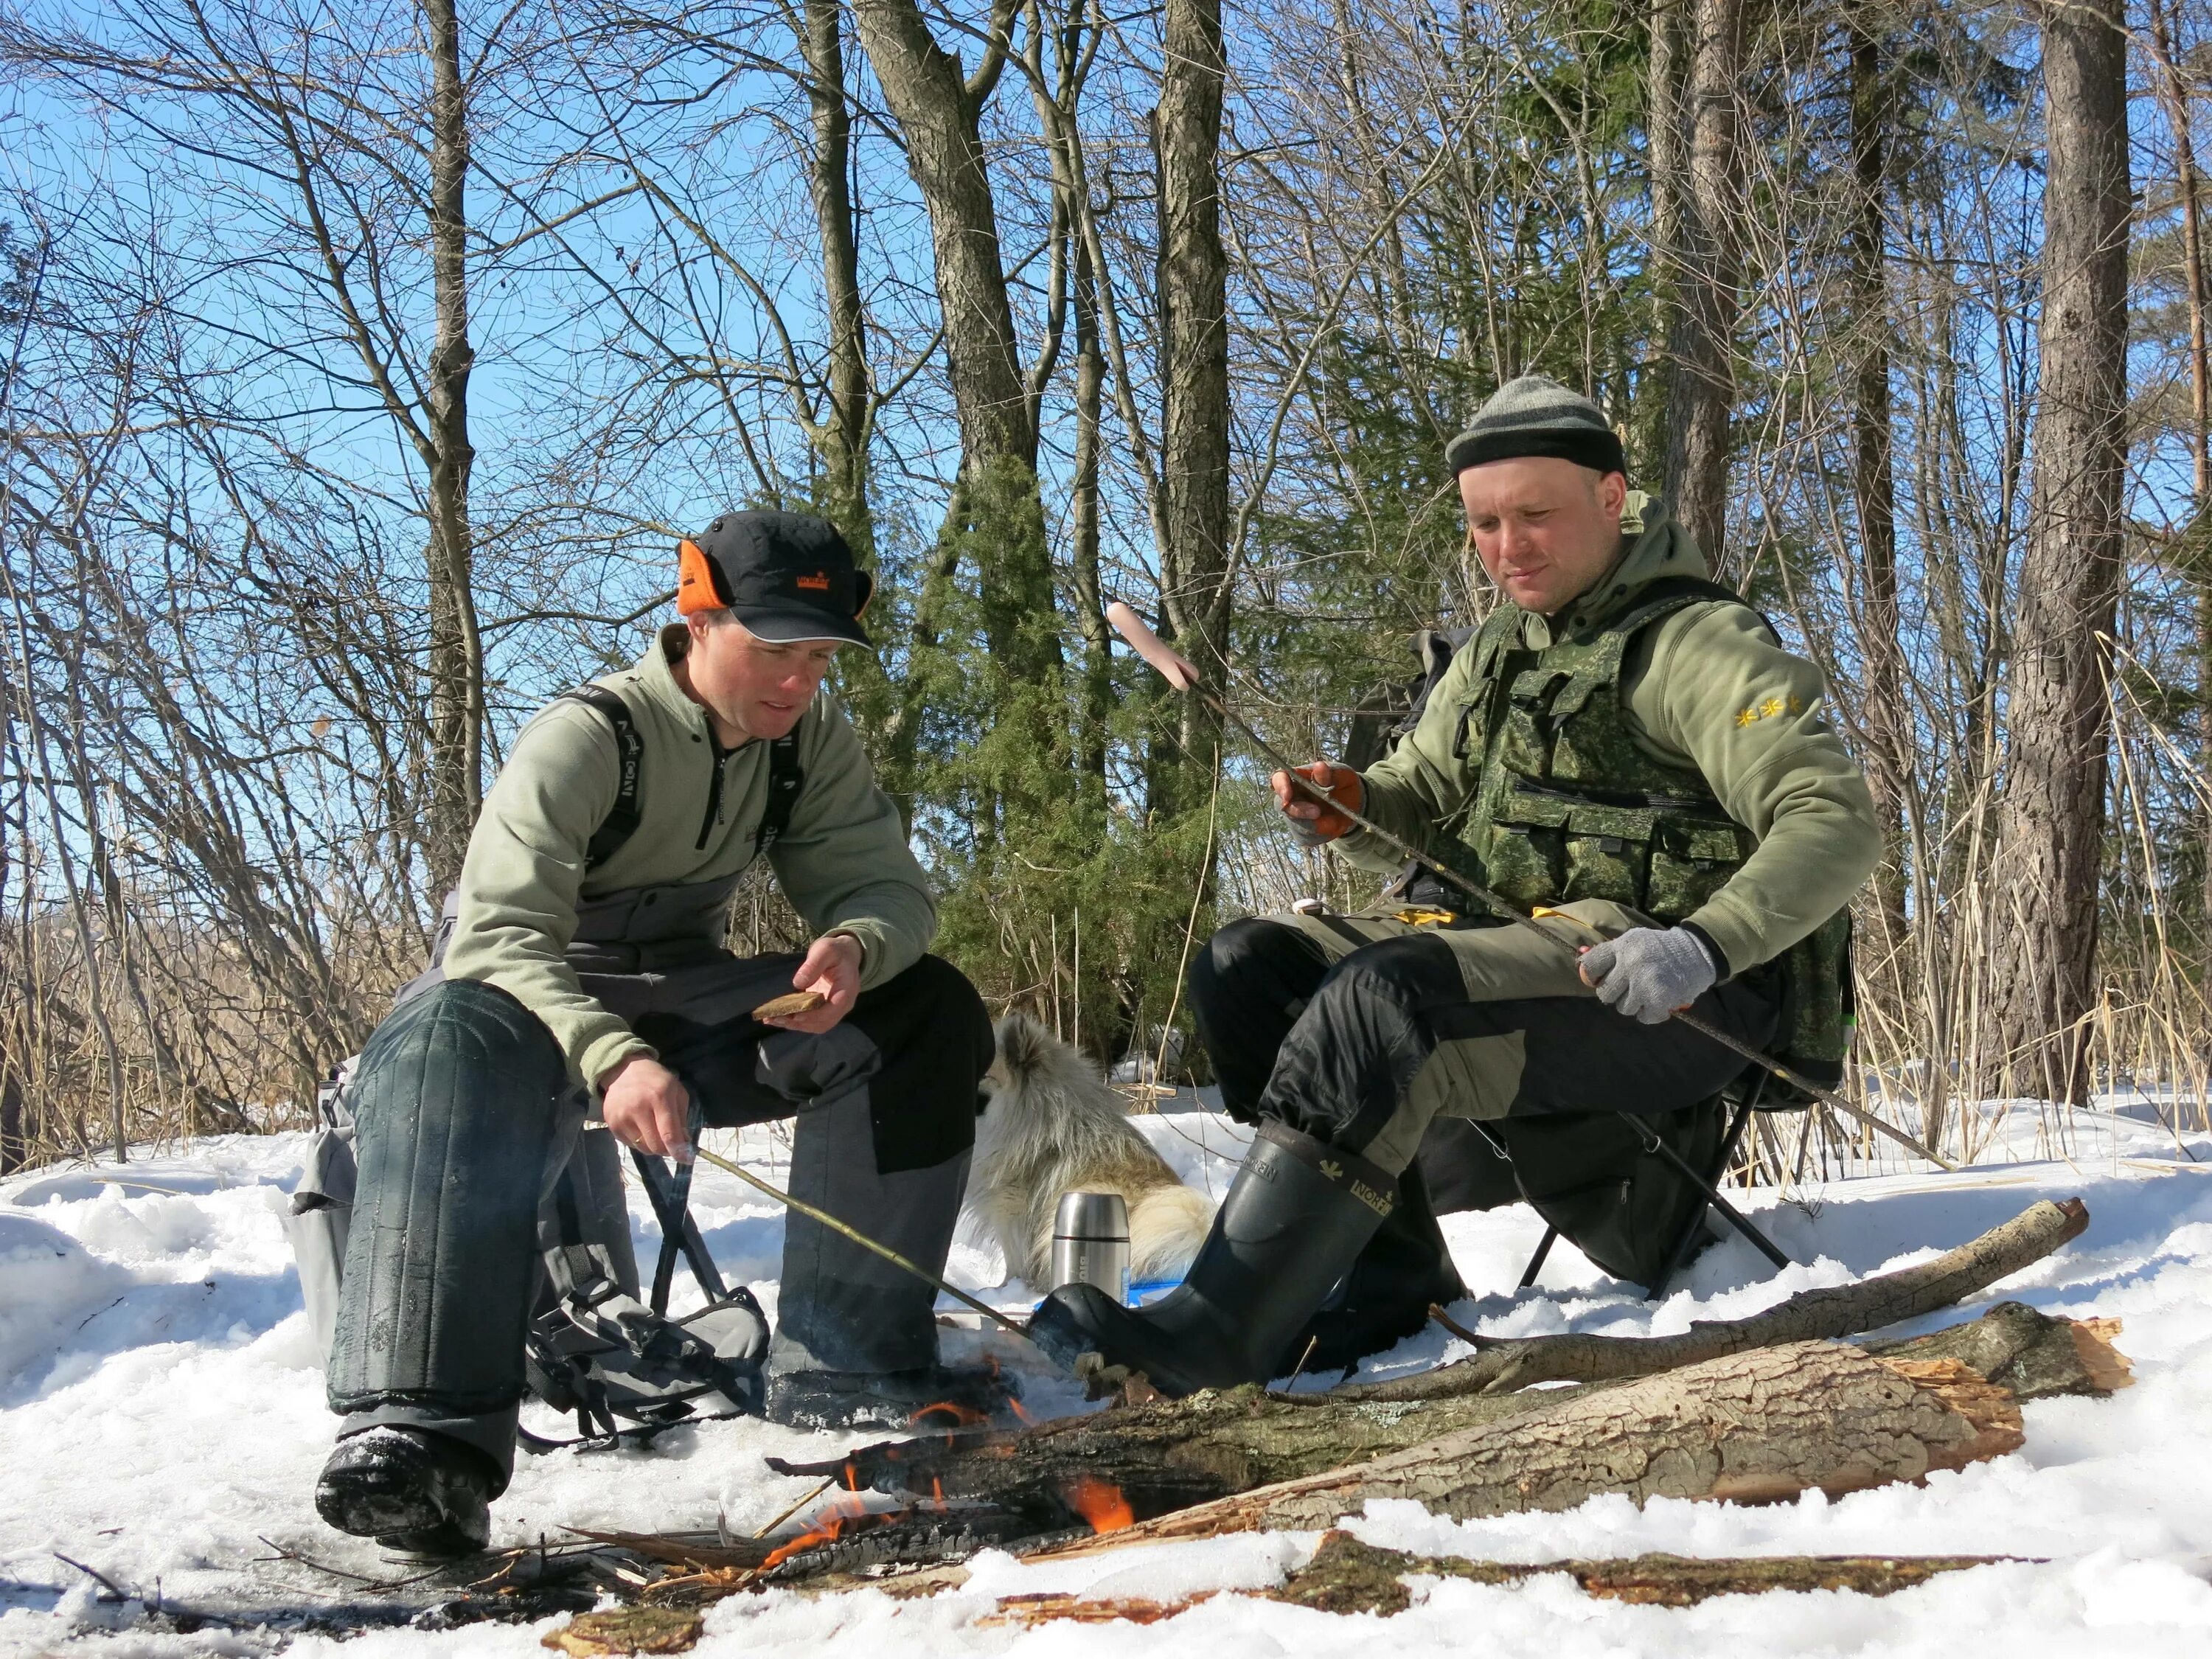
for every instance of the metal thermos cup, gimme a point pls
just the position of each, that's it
(1090, 1243)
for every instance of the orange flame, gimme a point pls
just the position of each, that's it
(1101, 1503)
(937, 1491)
(845, 1515)
(1015, 1406)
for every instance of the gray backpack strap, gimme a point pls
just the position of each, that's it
(620, 824)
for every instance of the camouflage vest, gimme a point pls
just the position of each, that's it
(1567, 806)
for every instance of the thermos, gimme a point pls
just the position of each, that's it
(1090, 1243)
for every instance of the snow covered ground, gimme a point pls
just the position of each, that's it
(161, 1422)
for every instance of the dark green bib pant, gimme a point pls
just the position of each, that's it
(475, 1157)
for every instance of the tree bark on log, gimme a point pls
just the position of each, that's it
(1838, 1311)
(1346, 1576)
(1755, 1427)
(1175, 1454)
(1155, 1459)
(1170, 1455)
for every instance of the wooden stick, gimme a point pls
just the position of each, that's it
(1502, 1364)
(865, 1243)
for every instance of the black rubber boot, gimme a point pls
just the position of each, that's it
(1299, 1212)
(412, 1490)
(926, 1397)
(1385, 1298)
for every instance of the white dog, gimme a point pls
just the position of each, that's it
(1052, 1126)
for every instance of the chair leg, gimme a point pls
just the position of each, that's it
(1735, 1217)
(670, 1198)
(1536, 1262)
(1653, 1291)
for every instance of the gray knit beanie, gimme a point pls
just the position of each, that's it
(1537, 416)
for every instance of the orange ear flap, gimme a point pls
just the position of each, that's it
(694, 579)
(864, 589)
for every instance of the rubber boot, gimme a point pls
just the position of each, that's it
(1385, 1298)
(1298, 1215)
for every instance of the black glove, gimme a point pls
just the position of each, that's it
(1649, 972)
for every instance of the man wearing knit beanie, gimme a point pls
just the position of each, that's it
(1624, 749)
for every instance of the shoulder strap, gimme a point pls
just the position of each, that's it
(785, 780)
(1668, 594)
(620, 824)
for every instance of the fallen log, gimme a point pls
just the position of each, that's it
(1346, 1576)
(1752, 1427)
(1503, 1364)
(1168, 1455)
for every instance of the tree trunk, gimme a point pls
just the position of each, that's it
(1756, 1427)
(1890, 749)
(2175, 98)
(2044, 887)
(997, 519)
(1097, 709)
(1701, 395)
(456, 651)
(842, 434)
(1663, 141)
(939, 112)
(1194, 310)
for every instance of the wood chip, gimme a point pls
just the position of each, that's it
(626, 1630)
(796, 1002)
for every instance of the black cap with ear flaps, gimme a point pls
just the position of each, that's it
(786, 576)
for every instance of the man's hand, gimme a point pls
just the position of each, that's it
(1310, 822)
(647, 1107)
(1648, 973)
(831, 970)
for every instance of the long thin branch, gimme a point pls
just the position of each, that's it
(1836, 1311)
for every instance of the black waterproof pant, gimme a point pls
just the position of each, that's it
(1408, 1045)
(467, 1127)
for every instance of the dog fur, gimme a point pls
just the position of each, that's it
(1052, 1126)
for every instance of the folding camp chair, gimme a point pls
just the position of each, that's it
(1707, 1182)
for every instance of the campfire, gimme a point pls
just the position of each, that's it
(1798, 1409)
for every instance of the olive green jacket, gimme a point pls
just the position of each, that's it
(843, 862)
(1706, 687)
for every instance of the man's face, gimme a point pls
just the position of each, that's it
(760, 688)
(1546, 529)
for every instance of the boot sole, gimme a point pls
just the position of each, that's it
(368, 1503)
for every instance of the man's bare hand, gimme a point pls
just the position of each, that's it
(647, 1107)
(832, 971)
(1310, 822)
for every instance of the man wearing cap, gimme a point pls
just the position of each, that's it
(585, 974)
(1623, 747)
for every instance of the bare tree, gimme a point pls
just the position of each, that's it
(1701, 393)
(2050, 823)
(1191, 317)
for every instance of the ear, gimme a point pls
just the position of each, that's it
(864, 589)
(1612, 493)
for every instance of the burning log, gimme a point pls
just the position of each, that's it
(1169, 1455)
(1755, 1428)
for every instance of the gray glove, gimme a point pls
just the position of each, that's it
(1648, 972)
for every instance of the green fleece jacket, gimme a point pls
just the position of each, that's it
(1707, 686)
(843, 862)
